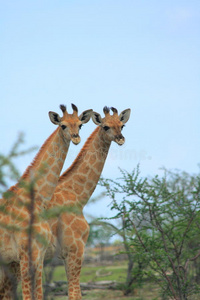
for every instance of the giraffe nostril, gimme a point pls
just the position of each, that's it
(119, 137)
(75, 135)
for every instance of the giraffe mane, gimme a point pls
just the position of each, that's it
(38, 155)
(80, 156)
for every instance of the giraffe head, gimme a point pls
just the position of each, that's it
(70, 124)
(112, 124)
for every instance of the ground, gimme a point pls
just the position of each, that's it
(111, 295)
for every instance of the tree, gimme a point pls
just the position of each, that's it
(160, 224)
(8, 170)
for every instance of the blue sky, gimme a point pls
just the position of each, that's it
(142, 55)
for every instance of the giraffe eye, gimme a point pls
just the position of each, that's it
(80, 126)
(106, 128)
(122, 127)
(63, 127)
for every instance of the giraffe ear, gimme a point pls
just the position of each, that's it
(125, 115)
(96, 118)
(54, 117)
(85, 116)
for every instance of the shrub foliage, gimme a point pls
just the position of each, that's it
(160, 227)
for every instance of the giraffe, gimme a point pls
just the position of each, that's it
(15, 243)
(75, 187)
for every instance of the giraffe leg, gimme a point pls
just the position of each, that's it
(9, 280)
(72, 248)
(73, 263)
(31, 277)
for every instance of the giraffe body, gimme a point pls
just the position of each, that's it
(70, 230)
(20, 251)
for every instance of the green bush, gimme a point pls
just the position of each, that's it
(160, 224)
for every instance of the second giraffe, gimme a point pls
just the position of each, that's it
(75, 187)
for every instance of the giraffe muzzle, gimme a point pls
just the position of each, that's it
(75, 139)
(119, 139)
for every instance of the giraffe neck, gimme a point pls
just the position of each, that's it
(46, 166)
(83, 175)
